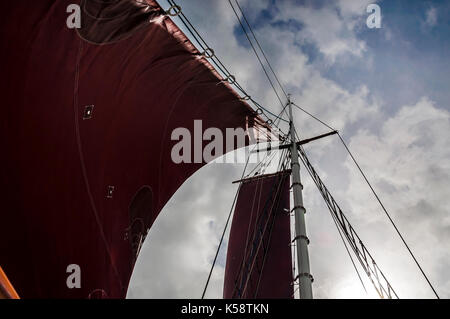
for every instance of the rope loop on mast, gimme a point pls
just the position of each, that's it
(300, 237)
(246, 98)
(304, 275)
(174, 10)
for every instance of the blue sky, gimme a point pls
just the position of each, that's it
(410, 57)
(386, 89)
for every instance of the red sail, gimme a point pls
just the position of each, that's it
(86, 124)
(259, 263)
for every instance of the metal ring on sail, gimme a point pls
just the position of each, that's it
(209, 53)
(90, 182)
(246, 98)
(231, 79)
(174, 10)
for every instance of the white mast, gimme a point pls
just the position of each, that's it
(304, 276)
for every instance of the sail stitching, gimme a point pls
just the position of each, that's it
(82, 162)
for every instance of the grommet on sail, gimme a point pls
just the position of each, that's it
(72, 170)
(87, 142)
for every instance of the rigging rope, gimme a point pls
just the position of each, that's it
(220, 245)
(389, 217)
(377, 198)
(262, 51)
(349, 254)
(261, 165)
(218, 63)
(225, 71)
(226, 226)
(314, 117)
(364, 257)
(256, 53)
(283, 162)
(253, 257)
(267, 158)
(338, 229)
(266, 252)
(224, 232)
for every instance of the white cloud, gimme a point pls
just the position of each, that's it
(333, 34)
(408, 164)
(177, 254)
(431, 17)
(353, 8)
(405, 155)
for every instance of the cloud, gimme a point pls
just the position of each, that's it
(177, 254)
(408, 161)
(350, 9)
(333, 33)
(431, 17)
(404, 152)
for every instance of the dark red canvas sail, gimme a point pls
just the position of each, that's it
(86, 124)
(259, 263)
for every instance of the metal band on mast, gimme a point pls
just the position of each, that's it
(304, 275)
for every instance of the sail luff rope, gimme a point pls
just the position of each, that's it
(218, 63)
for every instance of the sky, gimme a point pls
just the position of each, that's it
(386, 90)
